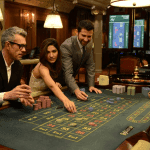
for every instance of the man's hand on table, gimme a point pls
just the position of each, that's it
(27, 102)
(97, 91)
(80, 95)
(21, 92)
(70, 106)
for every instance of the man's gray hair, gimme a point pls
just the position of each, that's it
(9, 34)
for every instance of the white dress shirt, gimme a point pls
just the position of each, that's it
(8, 76)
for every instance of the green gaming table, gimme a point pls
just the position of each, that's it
(22, 128)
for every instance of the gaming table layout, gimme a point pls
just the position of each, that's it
(21, 128)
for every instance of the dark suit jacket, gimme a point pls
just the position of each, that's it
(16, 73)
(71, 62)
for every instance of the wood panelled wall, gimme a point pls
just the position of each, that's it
(15, 16)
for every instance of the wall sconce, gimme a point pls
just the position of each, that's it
(1, 16)
(1, 19)
(32, 17)
(29, 17)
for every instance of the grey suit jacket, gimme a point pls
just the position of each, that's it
(71, 62)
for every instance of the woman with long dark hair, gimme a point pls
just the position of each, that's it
(47, 71)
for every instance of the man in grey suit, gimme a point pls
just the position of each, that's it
(77, 52)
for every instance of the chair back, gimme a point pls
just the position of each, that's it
(128, 63)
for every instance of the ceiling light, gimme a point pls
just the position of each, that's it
(130, 3)
(53, 20)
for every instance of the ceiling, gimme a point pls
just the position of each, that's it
(66, 5)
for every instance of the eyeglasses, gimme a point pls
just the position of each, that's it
(21, 46)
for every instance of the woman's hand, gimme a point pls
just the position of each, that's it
(70, 106)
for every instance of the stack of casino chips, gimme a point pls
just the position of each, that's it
(42, 102)
(131, 90)
(118, 89)
(92, 124)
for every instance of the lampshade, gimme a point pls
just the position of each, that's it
(1, 16)
(130, 3)
(53, 21)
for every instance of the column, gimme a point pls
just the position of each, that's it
(98, 43)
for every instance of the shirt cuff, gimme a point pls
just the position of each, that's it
(1, 96)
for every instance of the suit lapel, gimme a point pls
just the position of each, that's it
(76, 49)
(3, 70)
(77, 53)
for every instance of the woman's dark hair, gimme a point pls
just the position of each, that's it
(54, 68)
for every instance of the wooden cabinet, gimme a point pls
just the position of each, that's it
(63, 34)
(12, 19)
(16, 15)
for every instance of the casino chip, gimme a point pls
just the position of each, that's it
(73, 124)
(59, 120)
(90, 108)
(110, 102)
(35, 106)
(82, 89)
(118, 98)
(111, 99)
(92, 124)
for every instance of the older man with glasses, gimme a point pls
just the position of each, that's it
(13, 42)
